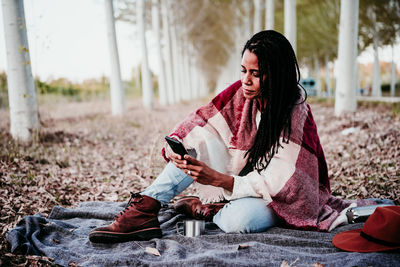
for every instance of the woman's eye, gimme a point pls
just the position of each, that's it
(256, 74)
(243, 70)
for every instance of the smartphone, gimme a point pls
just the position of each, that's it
(176, 146)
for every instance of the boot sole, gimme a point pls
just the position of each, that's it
(110, 237)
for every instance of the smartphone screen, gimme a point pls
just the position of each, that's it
(176, 146)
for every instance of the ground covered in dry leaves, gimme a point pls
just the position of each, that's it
(84, 154)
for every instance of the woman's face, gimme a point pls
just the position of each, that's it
(250, 76)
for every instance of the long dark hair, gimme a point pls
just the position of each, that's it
(280, 89)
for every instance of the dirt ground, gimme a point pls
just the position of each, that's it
(85, 154)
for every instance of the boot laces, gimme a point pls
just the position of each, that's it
(135, 198)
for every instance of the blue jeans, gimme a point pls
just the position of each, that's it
(244, 215)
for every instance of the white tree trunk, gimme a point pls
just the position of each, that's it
(195, 79)
(24, 119)
(358, 79)
(290, 22)
(346, 84)
(257, 16)
(193, 70)
(117, 92)
(168, 53)
(188, 74)
(162, 90)
(237, 55)
(393, 75)
(317, 71)
(203, 86)
(175, 62)
(376, 76)
(185, 77)
(247, 23)
(147, 86)
(231, 72)
(181, 60)
(269, 14)
(327, 78)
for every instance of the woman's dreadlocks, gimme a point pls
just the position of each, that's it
(279, 84)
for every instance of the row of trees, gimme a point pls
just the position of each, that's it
(210, 34)
(198, 45)
(230, 23)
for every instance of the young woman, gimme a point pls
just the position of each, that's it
(256, 146)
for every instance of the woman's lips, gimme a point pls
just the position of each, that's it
(247, 91)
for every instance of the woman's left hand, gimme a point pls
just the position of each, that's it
(201, 173)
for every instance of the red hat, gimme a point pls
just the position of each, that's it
(380, 232)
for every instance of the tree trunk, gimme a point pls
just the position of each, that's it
(376, 75)
(393, 75)
(195, 79)
(161, 75)
(175, 59)
(247, 23)
(290, 22)
(348, 30)
(188, 73)
(327, 78)
(187, 89)
(317, 76)
(168, 53)
(147, 86)
(24, 119)
(203, 85)
(358, 79)
(257, 16)
(181, 60)
(117, 92)
(193, 70)
(240, 41)
(231, 72)
(269, 14)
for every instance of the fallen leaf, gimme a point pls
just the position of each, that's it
(285, 263)
(317, 264)
(153, 251)
(242, 246)
(46, 224)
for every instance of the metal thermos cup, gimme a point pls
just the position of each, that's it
(191, 228)
(361, 214)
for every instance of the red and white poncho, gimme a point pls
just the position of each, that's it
(295, 183)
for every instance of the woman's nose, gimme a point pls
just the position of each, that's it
(246, 78)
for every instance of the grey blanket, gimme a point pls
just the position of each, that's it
(64, 237)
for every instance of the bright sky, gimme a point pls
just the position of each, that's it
(67, 38)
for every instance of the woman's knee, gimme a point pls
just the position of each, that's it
(246, 215)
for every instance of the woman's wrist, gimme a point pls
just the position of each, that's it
(226, 182)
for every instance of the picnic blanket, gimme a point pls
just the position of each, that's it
(63, 236)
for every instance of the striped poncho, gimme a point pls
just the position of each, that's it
(295, 183)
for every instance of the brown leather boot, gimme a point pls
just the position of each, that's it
(192, 207)
(138, 221)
